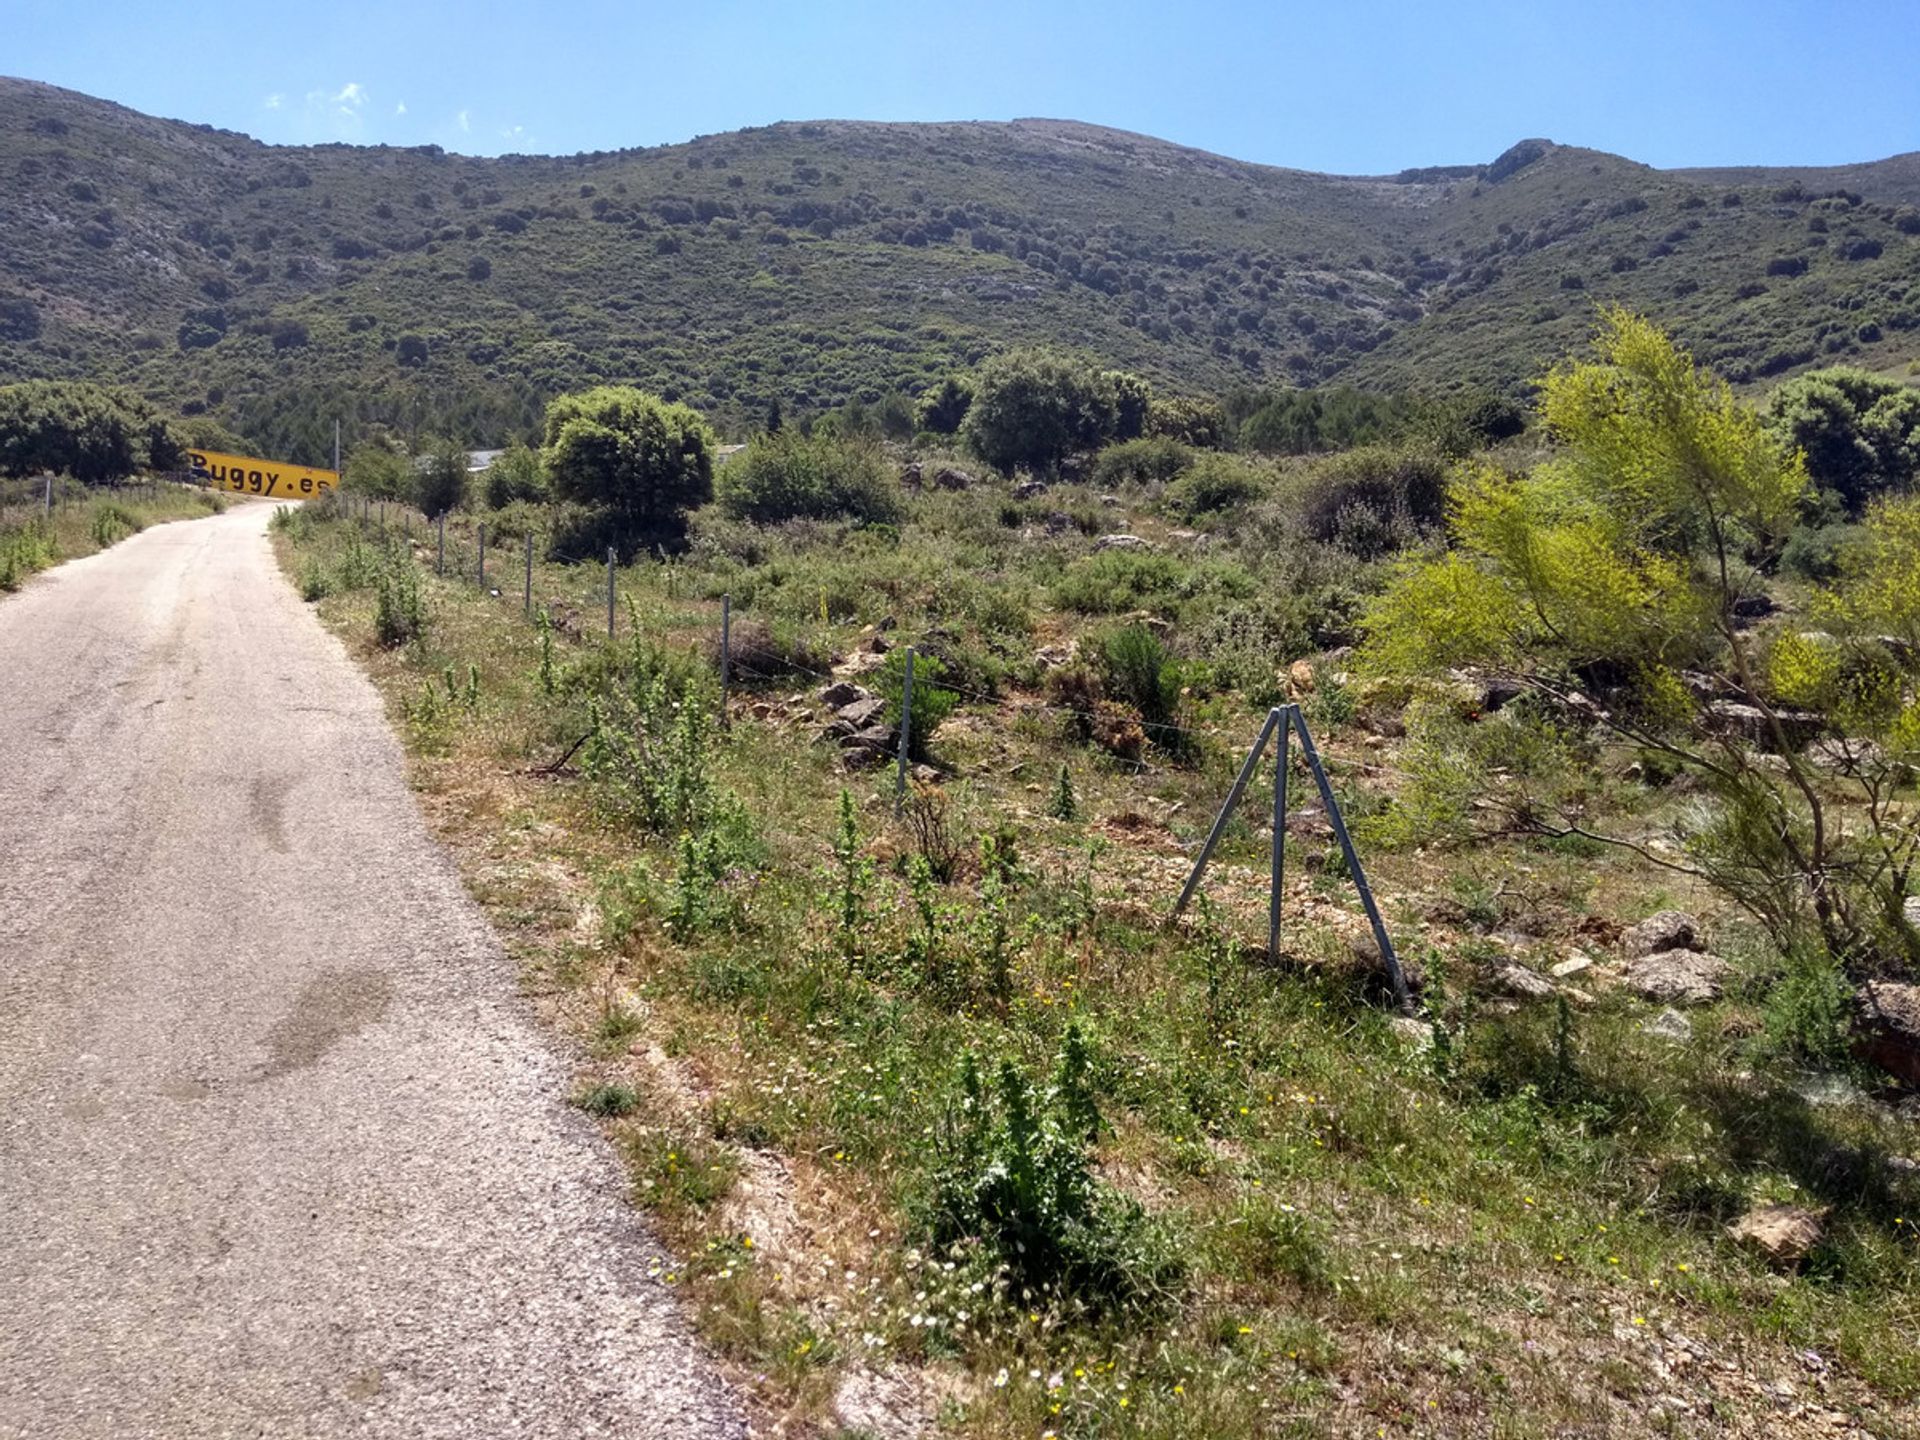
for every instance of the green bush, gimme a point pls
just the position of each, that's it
(1137, 668)
(789, 476)
(440, 478)
(513, 477)
(932, 702)
(943, 408)
(399, 612)
(1112, 582)
(1013, 1173)
(1372, 500)
(637, 463)
(378, 471)
(1140, 462)
(1033, 408)
(112, 524)
(1816, 552)
(1214, 484)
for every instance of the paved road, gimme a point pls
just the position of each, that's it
(281, 1153)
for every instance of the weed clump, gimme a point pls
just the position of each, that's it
(1015, 1176)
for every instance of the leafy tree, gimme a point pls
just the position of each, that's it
(378, 470)
(1608, 583)
(1860, 431)
(1034, 408)
(788, 476)
(91, 432)
(943, 408)
(440, 477)
(1132, 403)
(410, 351)
(479, 268)
(1200, 423)
(513, 476)
(636, 463)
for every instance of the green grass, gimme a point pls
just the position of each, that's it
(84, 520)
(1504, 1233)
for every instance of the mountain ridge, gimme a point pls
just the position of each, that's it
(808, 262)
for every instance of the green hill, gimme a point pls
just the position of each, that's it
(810, 263)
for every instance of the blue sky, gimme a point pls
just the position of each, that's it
(1354, 88)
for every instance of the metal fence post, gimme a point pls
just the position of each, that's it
(609, 592)
(1226, 811)
(906, 737)
(483, 557)
(1282, 755)
(49, 505)
(526, 597)
(1388, 958)
(726, 652)
(440, 555)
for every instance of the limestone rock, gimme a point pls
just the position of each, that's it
(1785, 1234)
(1677, 977)
(841, 694)
(1662, 930)
(1522, 983)
(1886, 1028)
(1122, 542)
(1670, 1025)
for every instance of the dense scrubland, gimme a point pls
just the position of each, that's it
(949, 1123)
(277, 289)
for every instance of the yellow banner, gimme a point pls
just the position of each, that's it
(260, 477)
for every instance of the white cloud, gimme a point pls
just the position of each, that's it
(351, 95)
(514, 132)
(462, 121)
(401, 108)
(274, 102)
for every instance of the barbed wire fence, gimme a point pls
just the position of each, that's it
(1281, 725)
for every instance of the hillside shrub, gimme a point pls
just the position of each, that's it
(1033, 408)
(1215, 483)
(1140, 462)
(377, 471)
(440, 478)
(943, 408)
(1013, 1173)
(932, 701)
(515, 475)
(1138, 669)
(1372, 500)
(634, 464)
(1860, 432)
(790, 476)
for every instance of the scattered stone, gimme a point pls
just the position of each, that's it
(1122, 542)
(1112, 502)
(947, 478)
(927, 775)
(1677, 977)
(1497, 694)
(1910, 910)
(1670, 1025)
(1886, 1027)
(873, 737)
(1028, 490)
(841, 694)
(862, 713)
(910, 475)
(1754, 607)
(1057, 523)
(1843, 755)
(1184, 535)
(1572, 966)
(1052, 657)
(1522, 983)
(1750, 723)
(1416, 1035)
(1785, 1234)
(1662, 930)
(1300, 677)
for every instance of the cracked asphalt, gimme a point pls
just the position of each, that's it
(282, 1151)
